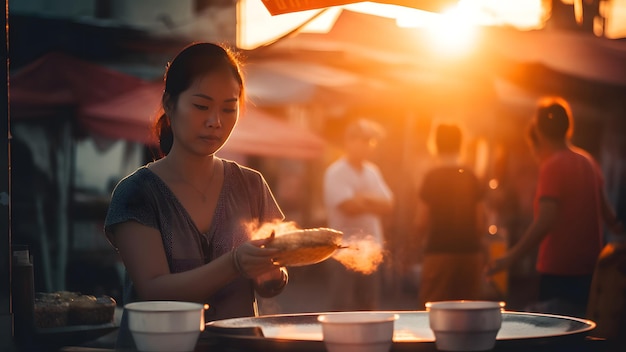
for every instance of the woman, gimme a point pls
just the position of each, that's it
(181, 223)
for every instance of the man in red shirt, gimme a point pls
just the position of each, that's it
(569, 207)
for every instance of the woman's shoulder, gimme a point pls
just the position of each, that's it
(138, 175)
(240, 175)
(134, 180)
(245, 171)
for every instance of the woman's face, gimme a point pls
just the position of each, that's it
(206, 113)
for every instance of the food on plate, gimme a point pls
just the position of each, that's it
(305, 247)
(50, 311)
(65, 308)
(91, 310)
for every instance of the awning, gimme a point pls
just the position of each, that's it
(572, 53)
(128, 116)
(58, 81)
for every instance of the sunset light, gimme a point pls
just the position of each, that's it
(522, 14)
(452, 32)
(454, 28)
(276, 161)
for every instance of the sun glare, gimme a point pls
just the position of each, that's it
(523, 14)
(452, 33)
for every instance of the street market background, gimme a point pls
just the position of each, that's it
(85, 82)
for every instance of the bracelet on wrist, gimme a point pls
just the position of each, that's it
(237, 264)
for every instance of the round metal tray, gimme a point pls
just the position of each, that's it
(302, 332)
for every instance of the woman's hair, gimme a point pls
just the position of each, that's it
(553, 118)
(194, 61)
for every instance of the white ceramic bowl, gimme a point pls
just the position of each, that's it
(465, 325)
(165, 326)
(358, 331)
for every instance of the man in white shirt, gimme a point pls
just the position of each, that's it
(356, 196)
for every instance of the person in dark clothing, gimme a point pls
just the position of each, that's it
(450, 225)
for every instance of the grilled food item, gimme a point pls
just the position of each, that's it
(65, 308)
(305, 247)
(91, 310)
(50, 311)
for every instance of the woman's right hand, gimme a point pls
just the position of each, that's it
(252, 259)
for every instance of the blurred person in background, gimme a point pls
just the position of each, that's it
(570, 206)
(180, 223)
(450, 225)
(356, 197)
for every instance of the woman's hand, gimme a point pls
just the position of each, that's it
(252, 259)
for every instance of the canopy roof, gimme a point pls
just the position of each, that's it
(57, 81)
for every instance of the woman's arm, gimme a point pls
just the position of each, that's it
(142, 252)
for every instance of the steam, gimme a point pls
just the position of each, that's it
(258, 231)
(360, 253)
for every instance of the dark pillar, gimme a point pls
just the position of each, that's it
(6, 321)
